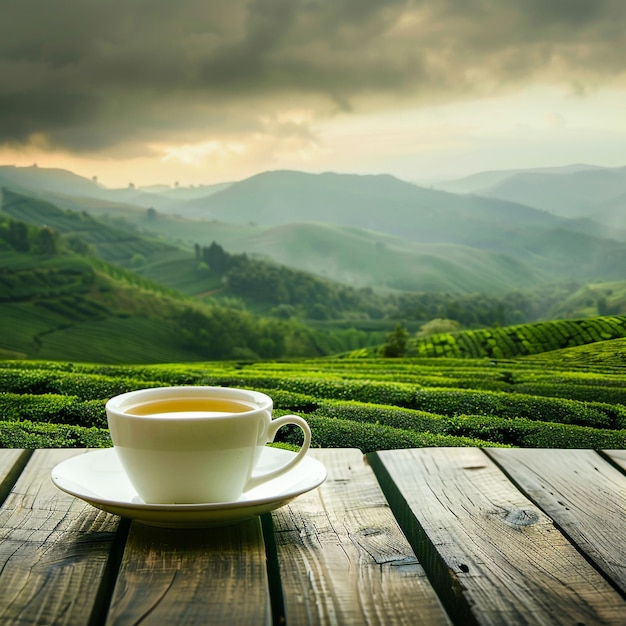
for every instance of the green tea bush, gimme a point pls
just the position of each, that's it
(84, 386)
(290, 401)
(403, 419)
(584, 393)
(365, 391)
(532, 434)
(339, 433)
(32, 435)
(499, 430)
(462, 401)
(399, 394)
(53, 408)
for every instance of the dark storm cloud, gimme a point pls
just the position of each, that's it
(93, 74)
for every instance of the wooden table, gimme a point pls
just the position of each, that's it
(424, 536)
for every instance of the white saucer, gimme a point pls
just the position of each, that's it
(98, 478)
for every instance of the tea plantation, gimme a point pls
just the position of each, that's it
(569, 398)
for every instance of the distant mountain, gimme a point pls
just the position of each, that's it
(612, 212)
(571, 195)
(377, 203)
(476, 183)
(574, 192)
(47, 179)
(166, 200)
(65, 183)
(190, 193)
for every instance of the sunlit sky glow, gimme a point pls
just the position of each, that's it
(200, 92)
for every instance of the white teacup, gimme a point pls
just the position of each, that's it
(186, 445)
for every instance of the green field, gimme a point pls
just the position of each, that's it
(571, 398)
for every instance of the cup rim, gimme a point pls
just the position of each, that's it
(119, 404)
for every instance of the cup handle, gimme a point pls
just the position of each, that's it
(273, 428)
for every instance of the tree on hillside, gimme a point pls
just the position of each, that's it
(216, 258)
(203, 268)
(18, 236)
(436, 326)
(138, 260)
(396, 343)
(76, 244)
(46, 242)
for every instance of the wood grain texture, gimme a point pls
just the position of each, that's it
(342, 557)
(192, 576)
(12, 462)
(54, 549)
(582, 493)
(494, 556)
(618, 457)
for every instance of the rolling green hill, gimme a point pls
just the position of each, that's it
(115, 243)
(71, 306)
(507, 342)
(363, 258)
(74, 307)
(353, 256)
(59, 301)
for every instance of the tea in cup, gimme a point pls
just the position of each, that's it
(196, 444)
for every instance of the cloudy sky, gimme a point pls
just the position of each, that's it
(203, 91)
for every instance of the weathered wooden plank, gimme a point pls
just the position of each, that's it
(617, 456)
(192, 576)
(493, 555)
(582, 493)
(54, 549)
(342, 557)
(12, 462)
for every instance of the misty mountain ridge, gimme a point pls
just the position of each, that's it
(573, 192)
(284, 196)
(382, 203)
(475, 183)
(372, 230)
(58, 181)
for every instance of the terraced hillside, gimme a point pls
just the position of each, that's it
(513, 341)
(566, 398)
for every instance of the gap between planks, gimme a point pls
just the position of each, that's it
(493, 555)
